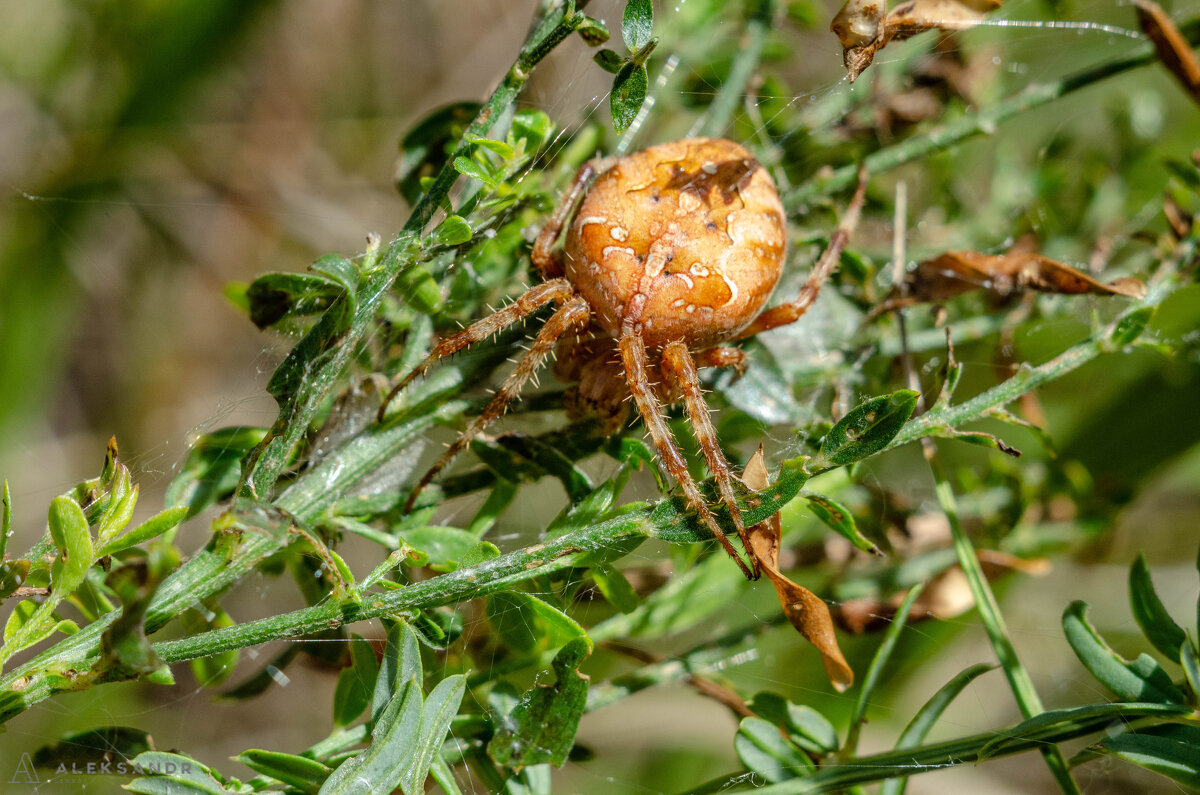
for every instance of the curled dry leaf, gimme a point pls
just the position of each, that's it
(957, 272)
(1173, 49)
(863, 29)
(807, 612)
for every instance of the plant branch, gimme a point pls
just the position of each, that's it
(982, 122)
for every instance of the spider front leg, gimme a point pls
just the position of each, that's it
(789, 313)
(637, 369)
(556, 290)
(678, 362)
(575, 313)
(542, 257)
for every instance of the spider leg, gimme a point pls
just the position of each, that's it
(678, 362)
(637, 366)
(722, 356)
(789, 313)
(547, 262)
(574, 312)
(556, 290)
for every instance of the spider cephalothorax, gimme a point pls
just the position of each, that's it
(672, 252)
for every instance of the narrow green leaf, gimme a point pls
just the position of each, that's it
(1148, 610)
(5, 518)
(592, 31)
(475, 170)
(917, 729)
(22, 612)
(1140, 680)
(213, 669)
(807, 728)
(878, 663)
(394, 741)
(838, 519)
(340, 270)
(504, 150)
(401, 662)
(299, 772)
(763, 750)
(419, 290)
(1058, 722)
(212, 467)
(151, 528)
(355, 683)
(1191, 667)
(444, 547)
(628, 93)
(440, 708)
(637, 24)
(867, 429)
(274, 297)
(609, 61)
(1172, 750)
(615, 588)
(1131, 326)
(443, 776)
(69, 530)
(455, 230)
(532, 127)
(523, 621)
(542, 727)
(173, 774)
(498, 500)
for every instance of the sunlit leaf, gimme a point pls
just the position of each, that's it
(1172, 750)
(637, 23)
(628, 94)
(1140, 680)
(867, 429)
(768, 753)
(300, 772)
(356, 683)
(1148, 610)
(544, 723)
(173, 774)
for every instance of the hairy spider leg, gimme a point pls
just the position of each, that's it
(637, 366)
(574, 313)
(678, 363)
(542, 257)
(556, 290)
(789, 313)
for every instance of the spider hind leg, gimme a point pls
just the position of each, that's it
(575, 313)
(555, 290)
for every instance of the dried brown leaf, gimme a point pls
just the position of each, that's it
(957, 272)
(1173, 48)
(807, 612)
(863, 30)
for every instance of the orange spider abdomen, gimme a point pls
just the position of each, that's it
(682, 241)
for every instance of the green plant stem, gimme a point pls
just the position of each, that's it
(1019, 680)
(939, 756)
(983, 122)
(733, 90)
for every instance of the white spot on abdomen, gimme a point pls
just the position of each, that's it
(619, 233)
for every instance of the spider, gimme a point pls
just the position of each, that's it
(672, 254)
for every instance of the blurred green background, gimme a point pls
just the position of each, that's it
(152, 152)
